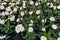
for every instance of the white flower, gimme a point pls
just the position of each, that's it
(11, 12)
(24, 6)
(4, 3)
(17, 2)
(30, 29)
(31, 2)
(7, 13)
(15, 9)
(12, 0)
(19, 28)
(8, 9)
(11, 4)
(3, 13)
(58, 38)
(54, 7)
(52, 19)
(54, 26)
(54, 0)
(38, 12)
(51, 5)
(43, 29)
(30, 24)
(2, 37)
(58, 7)
(17, 20)
(21, 8)
(2, 21)
(22, 13)
(43, 38)
(2, 7)
(6, 0)
(12, 18)
(48, 3)
(39, 0)
(45, 20)
(31, 12)
(36, 4)
(24, 3)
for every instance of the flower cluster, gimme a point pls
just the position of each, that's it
(30, 19)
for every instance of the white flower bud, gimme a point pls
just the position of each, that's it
(43, 21)
(12, 18)
(30, 24)
(3, 13)
(38, 12)
(17, 20)
(2, 7)
(43, 29)
(59, 34)
(8, 9)
(2, 21)
(31, 12)
(38, 16)
(31, 21)
(22, 13)
(30, 29)
(58, 7)
(36, 4)
(2, 37)
(21, 18)
(7, 13)
(15, 9)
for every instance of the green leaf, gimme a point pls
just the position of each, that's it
(30, 36)
(7, 26)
